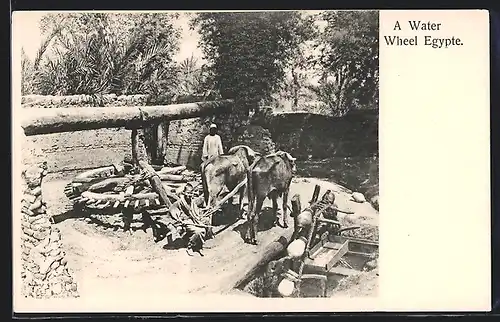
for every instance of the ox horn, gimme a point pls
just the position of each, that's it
(287, 155)
(250, 151)
(234, 149)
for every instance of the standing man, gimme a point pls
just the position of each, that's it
(212, 145)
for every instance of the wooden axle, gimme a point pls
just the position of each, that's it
(57, 120)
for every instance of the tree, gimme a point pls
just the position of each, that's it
(249, 52)
(190, 77)
(301, 61)
(247, 55)
(349, 57)
(100, 53)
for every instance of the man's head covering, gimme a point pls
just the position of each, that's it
(213, 126)
(188, 189)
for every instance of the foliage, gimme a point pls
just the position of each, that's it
(27, 69)
(100, 53)
(349, 58)
(248, 52)
(359, 174)
(191, 77)
(301, 61)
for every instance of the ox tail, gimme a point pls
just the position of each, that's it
(204, 183)
(250, 187)
(250, 194)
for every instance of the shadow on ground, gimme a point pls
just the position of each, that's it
(69, 214)
(266, 222)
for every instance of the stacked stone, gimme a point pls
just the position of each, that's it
(44, 270)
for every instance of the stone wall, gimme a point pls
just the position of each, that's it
(302, 134)
(44, 272)
(185, 141)
(77, 150)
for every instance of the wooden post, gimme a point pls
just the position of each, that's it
(314, 223)
(163, 129)
(134, 146)
(139, 146)
(296, 209)
(315, 196)
(150, 142)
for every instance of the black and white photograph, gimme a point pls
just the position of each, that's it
(198, 153)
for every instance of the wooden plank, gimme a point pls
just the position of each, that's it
(342, 239)
(179, 178)
(328, 221)
(340, 270)
(331, 245)
(326, 258)
(363, 242)
(367, 255)
(172, 170)
(314, 251)
(340, 253)
(314, 276)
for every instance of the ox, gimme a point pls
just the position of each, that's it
(224, 172)
(268, 177)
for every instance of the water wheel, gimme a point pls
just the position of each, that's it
(107, 190)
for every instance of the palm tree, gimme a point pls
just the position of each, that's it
(190, 77)
(93, 57)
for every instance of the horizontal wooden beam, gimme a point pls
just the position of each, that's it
(38, 121)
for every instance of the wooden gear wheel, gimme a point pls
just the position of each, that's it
(107, 191)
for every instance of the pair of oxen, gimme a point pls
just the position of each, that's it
(268, 176)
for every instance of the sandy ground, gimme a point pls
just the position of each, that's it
(108, 262)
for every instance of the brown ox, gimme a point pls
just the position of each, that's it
(224, 172)
(268, 177)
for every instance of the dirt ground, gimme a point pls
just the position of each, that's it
(110, 262)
